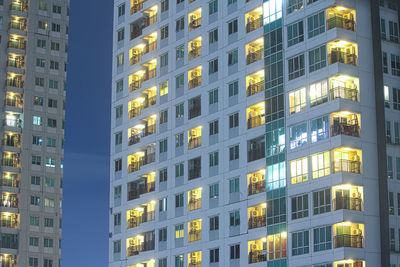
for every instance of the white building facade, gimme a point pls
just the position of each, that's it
(33, 58)
(253, 133)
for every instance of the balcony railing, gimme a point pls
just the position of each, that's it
(148, 130)
(257, 221)
(17, 45)
(19, 64)
(17, 25)
(149, 101)
(255, 121)
(194, 142)
(150, 74)
(197, 263)
(257, 256)
(11, 202)
(135, 58)
(10, 182)
(254, 56)
(135, 112)
(136, 221)
(135, 85)
(194, 111)
(143, 189)
(257, 187)
(9, 223)
(339, 128)
(194, 204)
(15, 83)
(340, 22)
(194, 24)
(256, 154)
(348, 203)
(194, 173)
(194, 82)
(17, 123)
(343, 92)
(150, 47)
(19, 6)
(14, 102)
(11, 162)
(195, 52)
(194, 235)
(253, 25)
(342, 57)
(13, 142)
(136, 7)
(145, 246)
(345, 165)
(349, 241)
(255, 88)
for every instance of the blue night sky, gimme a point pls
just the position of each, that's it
(86, 171)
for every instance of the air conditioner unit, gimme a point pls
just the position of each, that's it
(195, 74)
(254, 180)
(254, 213)
(254, 247)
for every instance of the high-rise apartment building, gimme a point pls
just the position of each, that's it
(255, 133)
(33, 58)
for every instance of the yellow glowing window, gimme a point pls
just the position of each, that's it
(179, 231)
(347, 160)
(297, 100)
(276, 246)
(164, 88)
(299, 170)
(320, 164)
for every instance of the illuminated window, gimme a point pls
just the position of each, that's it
(179, 231)
(298, 135)
(297, 100)
(164, 88)
(276, 246)
(320, 163)
(319, 129)
(299, 170)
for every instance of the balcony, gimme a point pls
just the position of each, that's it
(255, 115)
(346, 160)
(141, 158)
(13, 100)
(194, 168)
(256, 182)
(255, 83)
(142, 130)
(194, 76)
(341, 17)
(345, 87)
(12, 140)
(17, 42)
(194, 107)
(9, 220)
(342, 52)
(15, 80)
(194, 19)
(10, 180)
(143, 213)
(345, 123)
(16, 61)
(8, 260)
(194, 228)
(136, 6)
(194, 197)
(194, 48)
(347, 234)
(144, 185)
(194, 138)
(254, 51)
(253, 19)
(20, 24)
(349, 263)
(256, 149)
(9, 200)
(257, 251)
(149, 17)
(11, 160)
(347, 197)
(150, 69)
(19, 5)
(140, 243)
(13, 119)
(194, 259)
(257, 216)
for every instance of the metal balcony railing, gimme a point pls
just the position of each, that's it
(135, 112)
(349, 241)
(194, 82)
(136, 221)
(10, 182)
(137, 6)
(257, 187)
(150, 74)
(21, 45)
(9, 223)
(149, 101)
(194, 142)
(340, 22)
(343, 92)
(194, 24)
(194, 173)
(15, 83)
(10, 202)
(150, 47)
(254, 24)
(142, 189)
(13, 142)
(19, 64)
(194, 204)
(195, 52)
(348, 203)
(257, 221)
(339, 128)
(197, 263)
(14, 102)
(194, 111)
(256, 256)
(148, 20)
(255, 121)
(17, 25)
(194, 235)
(145, 246)
(345, 165)
(135, 85)
(254, 56)
(136, 58)
(253, 89)
(11, 162)
(342, 57)
(19, 6)
(256, 154)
